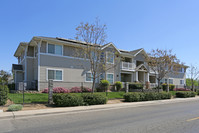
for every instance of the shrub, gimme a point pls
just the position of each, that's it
(76, 90)
(104, 83)
(100, 89)
(171, 87)
(3, 94)
(57, 90)
(67, 100)
(181, 89)
(185, 94)
(86, 89)
(132, 97)
(94, 99)
(11, 86)
(164, 87)
(197, 92)
(15, 107)
(118, 85)
(135, 86)
(148, 96)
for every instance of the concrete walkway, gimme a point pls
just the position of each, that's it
(79, 109)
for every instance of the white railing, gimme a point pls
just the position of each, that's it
(127, 66)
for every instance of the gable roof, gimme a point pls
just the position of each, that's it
(110, 44)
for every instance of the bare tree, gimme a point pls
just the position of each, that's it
(194, 75)
(93, 37)
(163, 63)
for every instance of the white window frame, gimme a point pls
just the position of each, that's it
(91, 77)
(55, 71)
(171, 79)
(55, 50)
(107, 76)
(183, 81)
(107, 57)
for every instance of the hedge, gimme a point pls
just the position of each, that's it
(94, 99)
(147, 96)
(135, 86)
(3, 94)
(185, 94)
(67, 100)
(171, 87)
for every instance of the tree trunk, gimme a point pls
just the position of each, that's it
(93, 85)
(158, 85)
(192, 84)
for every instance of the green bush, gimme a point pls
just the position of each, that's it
(136, 86)
(11, 86)
(132, 97)
(185, 94)
(3, 94)
(15, 107)
(118, 85)
(67, 100)
(94, 99)
(147, 96)
(171, 87)
(104, 83)
(197, 92)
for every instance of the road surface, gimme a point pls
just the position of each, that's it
(166, 118)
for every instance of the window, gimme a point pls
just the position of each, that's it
(165, 81)
(110, 78)
(182, 70)
(110, 57)
(55, 49)
(181, 82)
(89, 77)
(170, 81)
(55, 75)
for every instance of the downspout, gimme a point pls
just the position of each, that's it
(39, 46)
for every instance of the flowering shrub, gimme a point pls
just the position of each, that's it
(181, 89)
(57, 90)
(76, 90)
(86, 89)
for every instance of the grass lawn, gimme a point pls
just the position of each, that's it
(17, 98)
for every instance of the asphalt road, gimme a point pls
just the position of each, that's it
(167, 118)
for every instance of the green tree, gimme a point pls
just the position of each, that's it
(4, 76)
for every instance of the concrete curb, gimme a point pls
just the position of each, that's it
(70, 110)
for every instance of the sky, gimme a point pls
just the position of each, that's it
(131, 24)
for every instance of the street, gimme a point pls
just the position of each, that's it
(180, 117)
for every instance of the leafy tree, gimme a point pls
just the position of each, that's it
(4, 76)
(189, 83)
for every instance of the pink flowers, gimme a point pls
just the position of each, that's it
(181, 89)
(57, 90)
(72, 90)
(76, 90)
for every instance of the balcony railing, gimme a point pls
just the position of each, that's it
(127, 66)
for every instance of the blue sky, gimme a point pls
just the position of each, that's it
(131, 24)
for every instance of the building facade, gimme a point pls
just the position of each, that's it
(45, 58)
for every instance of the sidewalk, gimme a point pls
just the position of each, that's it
(71, 110)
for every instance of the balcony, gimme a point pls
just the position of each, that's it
(127, 66)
